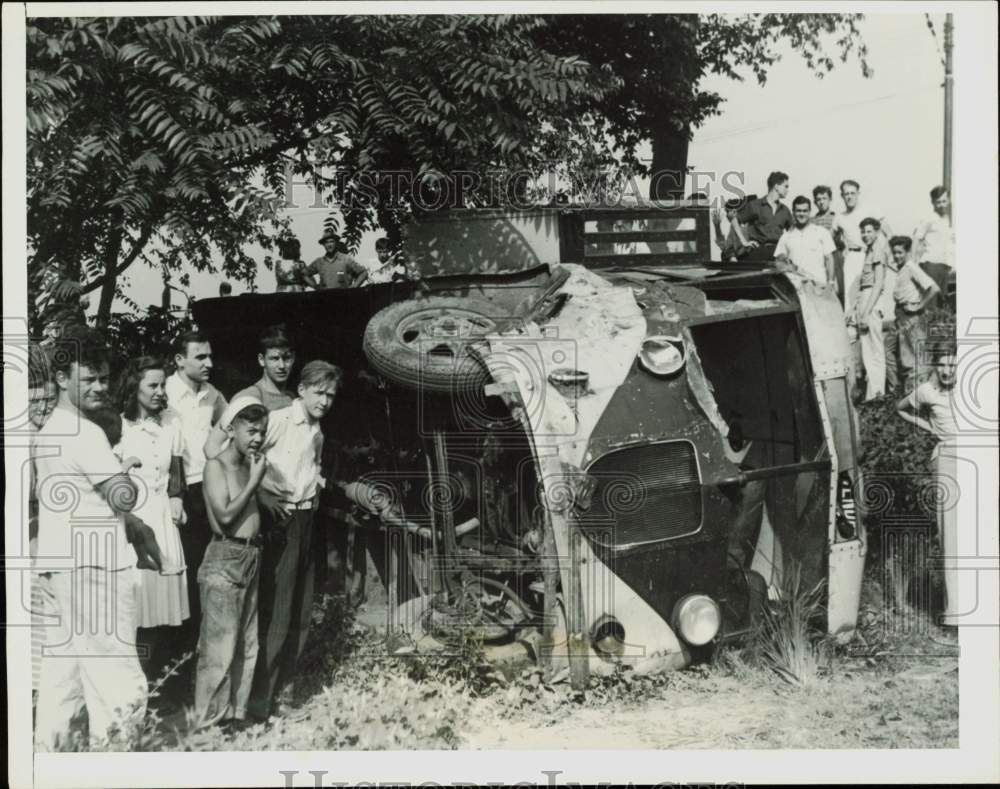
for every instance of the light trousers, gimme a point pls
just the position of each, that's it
(873, 356)
(89, 663)
(946, 477)
(227, 649)
(853, 263)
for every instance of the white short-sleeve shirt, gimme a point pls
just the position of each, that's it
(938, 239)
(807, 247)
(76, 527)
(850, 226)
(938, 407)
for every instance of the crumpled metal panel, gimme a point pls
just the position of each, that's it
(700, 386)
(829, 348)
(599, 330)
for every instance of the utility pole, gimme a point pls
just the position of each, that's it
(949, 100)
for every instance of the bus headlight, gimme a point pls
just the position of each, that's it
(662, 355)
(697, 619)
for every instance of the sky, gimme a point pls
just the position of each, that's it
(885, 132)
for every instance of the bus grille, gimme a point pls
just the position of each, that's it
(644, 494)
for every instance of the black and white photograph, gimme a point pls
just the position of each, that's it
(479, 393)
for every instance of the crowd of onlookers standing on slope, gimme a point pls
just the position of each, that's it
(885, 281)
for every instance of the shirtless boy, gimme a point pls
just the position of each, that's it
(229, 575)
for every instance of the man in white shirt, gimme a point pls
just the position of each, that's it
(913, 291)
(389, 266)
(288, 496)
(198, 406)
(84, 558)
(934, 242)
(808, 247)
(849, 225)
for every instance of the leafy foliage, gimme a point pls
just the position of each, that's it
(896, 453)
(169, 140)
(661, 61)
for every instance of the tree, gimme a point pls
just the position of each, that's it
(169, 140)
(661, 59)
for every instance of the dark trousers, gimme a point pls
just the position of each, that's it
(938, 272)
(764, 253)
(285, 604)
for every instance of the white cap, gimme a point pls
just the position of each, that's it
(235, 407)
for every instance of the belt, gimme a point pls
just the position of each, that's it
(256, 541)
(305, 504)
(855, 249)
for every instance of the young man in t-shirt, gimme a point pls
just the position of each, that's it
(807, 247)
(935, 242)
(930, 408)
(868, 318)
(276, 358)
(913, 290)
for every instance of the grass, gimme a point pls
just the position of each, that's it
(786, 641)
(786, 687)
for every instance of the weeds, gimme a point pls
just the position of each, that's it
(140, 729)
(785, 641)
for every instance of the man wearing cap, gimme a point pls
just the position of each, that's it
(337, 269)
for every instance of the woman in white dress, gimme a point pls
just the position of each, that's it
(151, 435)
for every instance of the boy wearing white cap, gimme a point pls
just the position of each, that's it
(229, 574)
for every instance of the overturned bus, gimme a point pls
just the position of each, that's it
(598, 446)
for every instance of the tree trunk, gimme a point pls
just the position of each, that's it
(670, 153)
(110, 277)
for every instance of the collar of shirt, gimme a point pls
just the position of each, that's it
(178, 389)
(298, 412)
(763, 203)
(149, 424)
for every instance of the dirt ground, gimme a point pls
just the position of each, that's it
(896, 686)
(854, 708)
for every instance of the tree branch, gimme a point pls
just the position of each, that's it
(137, 248)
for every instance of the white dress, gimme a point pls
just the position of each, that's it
(163, 596)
